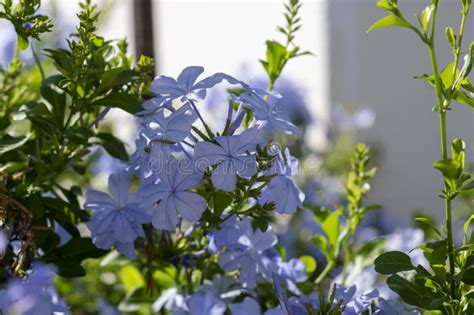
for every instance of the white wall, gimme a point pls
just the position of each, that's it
(377, 69)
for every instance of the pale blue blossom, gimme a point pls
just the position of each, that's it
(361, 118)
(117, 218)
(34, 294)
(282, 190)
(290, 272)
(185, 86)
(205, 303)
(267, 113)
(171, 194)
(165, 131)
(352, 304)
(231, 156)
(247, 307)
(244, 249)
(170, 299)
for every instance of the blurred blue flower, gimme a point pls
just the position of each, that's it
(282, 190)
(290, 272)
(172, 192)
(117, 218)
(392, 307)
(231, 158)
(32, 295)
(105, 163)
(406, 240)
(244, 250)
(353, 304)
(8, 40)
(247, 307)
(170, 299)
(205, 303)
(361, 118)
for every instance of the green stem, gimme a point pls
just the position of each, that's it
(444, 153)
(38, 62)
(324, 273)
(457, 51)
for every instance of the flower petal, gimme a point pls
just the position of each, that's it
(224, 177)
(190, 205)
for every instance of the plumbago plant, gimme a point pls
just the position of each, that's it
(187, 222)
(444, 283)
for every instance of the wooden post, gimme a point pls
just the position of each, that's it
(143, 32)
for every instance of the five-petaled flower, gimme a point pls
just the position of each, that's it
(267, 113)
(117, 218)
(244, 249)
(170, 194)
(231, 156)
(281, 189)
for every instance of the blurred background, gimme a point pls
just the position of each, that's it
(355, 81)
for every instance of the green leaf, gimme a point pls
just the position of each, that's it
(331, 226)
(416, 293)
(112, 145)
(468, 271)
(277, 56)
(123, 100)
(309, 262)
(115, 77)
(221, 201)
(463, 98)
(166, 277)
(389, 20)
(466, 226)
(436, 254)
(55, 96)
(68, 257)
(131, 278)
(427, 224)
(8, 143)
(22, 43)
(393, 262)
(449, 168)
(447, 75)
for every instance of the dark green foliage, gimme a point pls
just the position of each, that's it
(49, 125)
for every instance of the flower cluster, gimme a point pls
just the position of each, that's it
(177, 152)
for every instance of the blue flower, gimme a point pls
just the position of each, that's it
(247, 307)
(244, 250)
(153, 105)
(267, 113)
(172, 192)
(170, 299)
(360, 118)
(290, 272)
(281, 189)
(392, 307)
(185, 86)
(231, 158)
(345, 297)
(35, 295)
(165, 131)
(117, 219)
(205, 303)
(161, 135)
